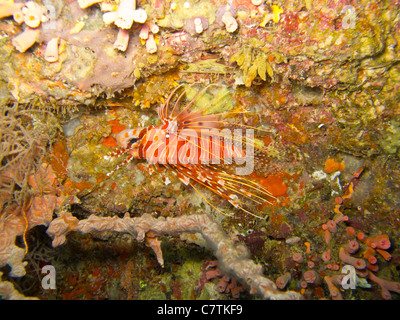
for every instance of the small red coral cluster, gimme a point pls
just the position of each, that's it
(226, 284)
(360, 252)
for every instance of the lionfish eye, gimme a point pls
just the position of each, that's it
(133, 140)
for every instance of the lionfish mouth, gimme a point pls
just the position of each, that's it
(202, 149)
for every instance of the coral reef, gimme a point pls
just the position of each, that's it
(319, 83)
(7, 291)
(233, 258)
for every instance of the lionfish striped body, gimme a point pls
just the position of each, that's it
(196, 147)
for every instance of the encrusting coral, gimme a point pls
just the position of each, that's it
(233, 258)
(321, 89)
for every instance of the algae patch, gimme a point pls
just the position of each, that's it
(391, 143)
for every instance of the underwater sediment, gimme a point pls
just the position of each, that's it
(319, 81)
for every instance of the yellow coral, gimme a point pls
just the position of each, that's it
(274, 15)
(154, 89)
(252, 63)
(276, 11)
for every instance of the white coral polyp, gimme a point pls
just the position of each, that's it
(109, 17)
(32, 14)
(122, 40)
(124, 19)
(51, 52)
(125, 14)
(154, 28)
(18, 16)
(83, 4)
(140, 16)
(198, 25)
(151, 45)
(144, 31)
(25, 40)
(230, 22)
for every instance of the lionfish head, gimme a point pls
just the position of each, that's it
(129, 138)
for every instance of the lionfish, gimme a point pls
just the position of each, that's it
(199, 149)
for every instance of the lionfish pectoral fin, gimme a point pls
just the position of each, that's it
(134, 153)
(128, 159)
(196, 120)
(184, 179)
(234, 203)
(215, 208)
